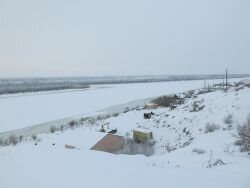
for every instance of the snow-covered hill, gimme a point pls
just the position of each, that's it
(24, 110)
(194, 147)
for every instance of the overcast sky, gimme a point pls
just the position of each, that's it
(129, 37)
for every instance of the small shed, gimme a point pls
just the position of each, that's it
(142, 135)
(151, 106)
(109, 143)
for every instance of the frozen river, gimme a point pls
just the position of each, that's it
(19, 111)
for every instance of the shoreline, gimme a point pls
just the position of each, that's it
(16, 86)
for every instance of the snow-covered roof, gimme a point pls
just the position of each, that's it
(152, 104)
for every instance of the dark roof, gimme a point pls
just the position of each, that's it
(110, 143)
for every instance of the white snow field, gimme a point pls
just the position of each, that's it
(24, 110)
(184, 147)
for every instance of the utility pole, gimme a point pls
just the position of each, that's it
(226, 80)
(223, 83)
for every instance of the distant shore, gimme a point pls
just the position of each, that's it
(31, 85)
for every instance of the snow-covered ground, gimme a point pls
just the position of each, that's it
(183, 148)
(23, 110)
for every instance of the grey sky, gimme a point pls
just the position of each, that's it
(130, 37)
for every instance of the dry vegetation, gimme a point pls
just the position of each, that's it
(244, 136)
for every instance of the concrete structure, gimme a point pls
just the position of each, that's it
(142, 135)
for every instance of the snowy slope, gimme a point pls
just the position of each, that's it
(19, 111)
(180, 126)
(174, 164)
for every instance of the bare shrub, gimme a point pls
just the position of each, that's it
(166, 101)
(62, 127)
(211, 127)
(115, 114)
(6, 142)
(20, 138)
(99, 118)
(228, 119)
(107, 116)
(1, 142)
(72, 124)
(91, 121)
(228, 149)
(133, 148)
(126, 111)
(127, 135)
(52, 129)
(248, 119)
(244, 136)
(83, 119)
(34, 137)
(169, 148)
(198, 151)
(214, 162)
(13, 140)
(196, 106)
